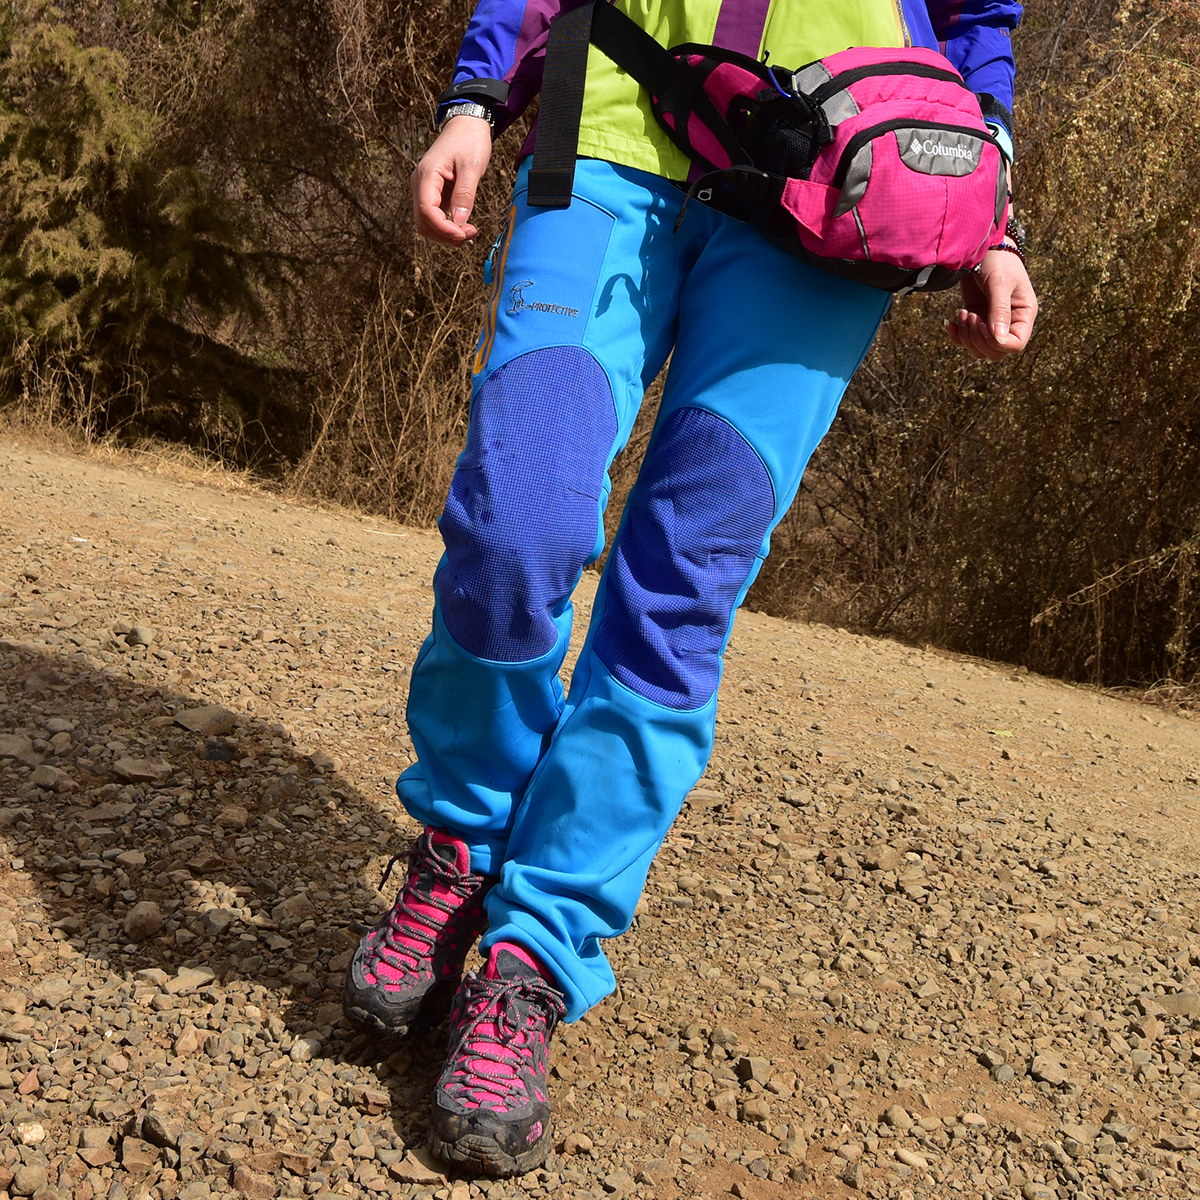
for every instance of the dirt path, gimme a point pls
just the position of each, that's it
(929, 927)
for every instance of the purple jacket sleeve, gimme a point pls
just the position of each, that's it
(974, 36)
(502, 52)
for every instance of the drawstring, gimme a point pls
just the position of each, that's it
(747, 182)
(700, 190)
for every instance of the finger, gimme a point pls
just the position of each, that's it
(983, 340)
(429, 186)
(1023, 317)
(1000, 318)
(1017, 338)
(956, 329)
(439, 228)
(462, 198)
(1011, 302)
(468, 172)
(969, 331)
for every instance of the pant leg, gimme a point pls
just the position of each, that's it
(765, 349)
(581, 318)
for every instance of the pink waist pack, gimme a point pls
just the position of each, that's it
(874, 164)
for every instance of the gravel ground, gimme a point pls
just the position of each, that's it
(928, 927)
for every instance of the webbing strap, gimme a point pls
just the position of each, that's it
(552, 176)
(564, 74)
(631, 47)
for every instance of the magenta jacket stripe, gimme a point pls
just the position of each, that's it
(740, 26)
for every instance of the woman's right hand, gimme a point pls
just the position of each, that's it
(445, 180)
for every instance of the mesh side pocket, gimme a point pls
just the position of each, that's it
(781, 139)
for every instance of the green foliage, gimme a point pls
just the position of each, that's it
(66, 141)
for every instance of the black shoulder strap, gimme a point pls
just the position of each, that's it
(677, 88)
(631, 47)
(564, 73)
(552, 175)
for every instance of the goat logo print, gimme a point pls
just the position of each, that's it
(517, 294)
(520, 304)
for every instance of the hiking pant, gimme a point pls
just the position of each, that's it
(567, 798)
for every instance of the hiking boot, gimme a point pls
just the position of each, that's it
(406, 970)
(491, 1109)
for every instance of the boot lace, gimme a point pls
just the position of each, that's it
(503, 1028)
(408, 922)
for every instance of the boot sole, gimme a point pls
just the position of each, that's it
(484, 1156)
(429, 1011)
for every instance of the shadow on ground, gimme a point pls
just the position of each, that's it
(150, 847)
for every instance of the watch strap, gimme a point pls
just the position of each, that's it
(465, 108)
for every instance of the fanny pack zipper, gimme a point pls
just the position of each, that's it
(843, 79)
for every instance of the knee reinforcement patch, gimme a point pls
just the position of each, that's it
(523, 516)
(693, 529)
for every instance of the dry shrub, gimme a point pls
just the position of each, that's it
(325, 109)
(388, 436)
(308, 116)
(125, 276)
(1046, 511)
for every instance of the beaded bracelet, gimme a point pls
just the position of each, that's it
(1010, 249)
(1017, 232)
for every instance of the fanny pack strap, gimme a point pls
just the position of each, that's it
(677, 88)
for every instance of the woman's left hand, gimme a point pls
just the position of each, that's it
(999, 308)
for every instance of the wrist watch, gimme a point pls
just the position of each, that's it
(466, 108)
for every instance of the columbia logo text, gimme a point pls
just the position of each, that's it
(940, 149)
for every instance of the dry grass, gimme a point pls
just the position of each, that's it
(41, 429)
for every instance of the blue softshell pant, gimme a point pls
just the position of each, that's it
(568, 797)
